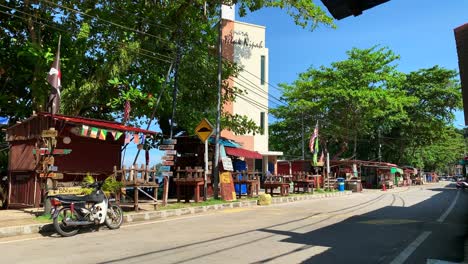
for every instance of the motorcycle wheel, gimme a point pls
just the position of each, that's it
(59, 225)
(114, 217)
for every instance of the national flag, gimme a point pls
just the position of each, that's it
(102, 134)
(127, 110)
(94, 132)
(84, 130)
(4, 120)
(54, 78)
(313, 138)
(136, 138)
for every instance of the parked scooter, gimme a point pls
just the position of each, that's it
(70, 212)
(462, 185)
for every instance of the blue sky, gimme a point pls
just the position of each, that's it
(421, 32)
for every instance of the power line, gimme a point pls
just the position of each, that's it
(261, 90)
(107, 21)
(66, 31)
(262, 96)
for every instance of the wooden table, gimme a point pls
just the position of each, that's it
(250, 179)
(190, 179)
(273, 182)
(306, 182)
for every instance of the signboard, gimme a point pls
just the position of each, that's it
(49, 133)
(227, 164)
(169, 141)
(66, 190)
(168, 163)
(52, 175)
(165, 168)
(170, 152)
(44, 151)
(53, 168)
(227, 186)
(167, 157)
(204, 130)
(164, 147)
(167, 173)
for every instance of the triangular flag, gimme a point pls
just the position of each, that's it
(84, 130)
(113, 133)
(94, 132)
(136, 138)
(127, 138)
(117, 135)
(103, 134)
(142, 138)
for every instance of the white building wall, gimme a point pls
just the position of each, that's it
(249, 46)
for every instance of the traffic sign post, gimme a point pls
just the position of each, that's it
(204, 131)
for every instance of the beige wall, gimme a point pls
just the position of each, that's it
(245, 44)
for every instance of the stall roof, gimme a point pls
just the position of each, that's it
(98, 123)
(240, 152)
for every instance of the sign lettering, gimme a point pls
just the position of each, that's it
(164, 147)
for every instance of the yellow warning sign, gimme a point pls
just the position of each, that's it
(204, 130)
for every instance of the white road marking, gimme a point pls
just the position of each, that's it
(447, 212)
(161, 221)
(411, 248)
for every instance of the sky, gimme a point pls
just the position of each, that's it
(420, 31)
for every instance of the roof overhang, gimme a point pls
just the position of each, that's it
(272, 153)
(340, 9)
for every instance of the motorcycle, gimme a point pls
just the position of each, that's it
(71, 212)
(461, 184)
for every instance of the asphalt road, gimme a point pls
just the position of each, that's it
(404, 225)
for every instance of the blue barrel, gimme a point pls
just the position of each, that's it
(340, 184)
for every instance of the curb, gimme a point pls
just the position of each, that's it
(46, 228)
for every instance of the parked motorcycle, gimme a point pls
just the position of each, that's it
(71, 212)
(462, 185)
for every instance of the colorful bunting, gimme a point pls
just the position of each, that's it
(127, 138)
(84, 130)
(142, 138)
(136, 138)
(94, 132)
(102, 134)
(113, 133)
(117, 135)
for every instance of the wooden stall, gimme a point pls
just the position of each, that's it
(48, 151)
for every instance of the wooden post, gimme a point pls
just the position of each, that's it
(135, 198)
(166, 190)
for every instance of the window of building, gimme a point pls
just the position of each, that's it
(262, 123)
(262, 70)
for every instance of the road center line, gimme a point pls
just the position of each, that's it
(447, 212)
(411, 248)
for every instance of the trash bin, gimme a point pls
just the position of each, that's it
(341, 184)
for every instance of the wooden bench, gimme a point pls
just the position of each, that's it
(273, 182)
(190, 180)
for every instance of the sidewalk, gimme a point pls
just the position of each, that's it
(23, 222)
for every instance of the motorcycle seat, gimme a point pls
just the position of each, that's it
(76, 198)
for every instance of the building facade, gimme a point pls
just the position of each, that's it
(245, 45)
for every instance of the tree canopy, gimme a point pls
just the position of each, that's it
(366, 107)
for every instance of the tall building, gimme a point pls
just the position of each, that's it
(245, 45)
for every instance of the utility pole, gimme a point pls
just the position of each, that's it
(176, 86)
(302, 141)
(218, 115)
(380, 147)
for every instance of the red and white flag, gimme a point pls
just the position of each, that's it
(54, 78)
(127, 110)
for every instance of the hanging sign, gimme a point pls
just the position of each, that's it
(167, 173)
(227, 164)
(164, 147)
(165, 168)
(52, 175)
(169, 141)
(167, 158)
(168, 163)
(49, 133)
(170, 152)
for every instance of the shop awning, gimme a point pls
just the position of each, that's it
(240, 152)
